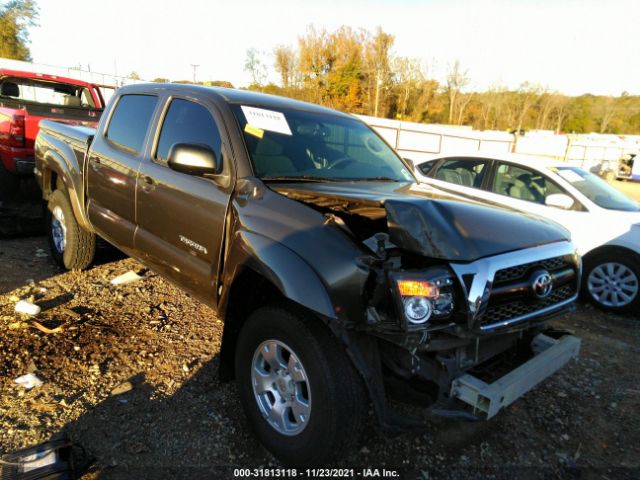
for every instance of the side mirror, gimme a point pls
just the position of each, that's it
(193, 159)
(559, 200)
(410, 163)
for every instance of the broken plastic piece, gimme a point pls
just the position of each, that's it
(128, 277)
(122, 388)
(27, 307)
(29, 381)
(44, 329)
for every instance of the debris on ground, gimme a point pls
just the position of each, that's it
(29, 381)
(125, 278)
(122, 388)
(28, 308)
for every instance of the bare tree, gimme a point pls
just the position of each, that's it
(255, 67)
(528, 95)
(457, 79)
(608, 110)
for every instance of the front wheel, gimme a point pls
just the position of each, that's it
(300, 391)
(612, 282)
(72, 247)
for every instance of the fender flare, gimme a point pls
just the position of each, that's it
(55, 163)
(288, 272)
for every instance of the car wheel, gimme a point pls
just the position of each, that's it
(72, 247)
(300, 391)
(612, 282)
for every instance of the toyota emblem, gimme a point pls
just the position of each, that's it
(542, 284)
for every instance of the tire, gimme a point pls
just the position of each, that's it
(611, 281)
(325, 380)
(72, 247)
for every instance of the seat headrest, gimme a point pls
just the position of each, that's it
(10, 89)
(266, 146)
(72, 101)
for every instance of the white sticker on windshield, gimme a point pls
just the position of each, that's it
(570, 175)
(266, 120)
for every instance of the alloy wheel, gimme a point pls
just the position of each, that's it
(281, 387)
(613, 284)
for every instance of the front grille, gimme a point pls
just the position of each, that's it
(507, 311)
(512, 294)
(520, 271)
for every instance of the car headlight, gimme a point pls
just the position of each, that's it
(424, 296)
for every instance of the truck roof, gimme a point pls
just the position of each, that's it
(233, 96)
(43, 76)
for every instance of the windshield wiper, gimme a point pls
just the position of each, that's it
(302, 178)
(377, 179)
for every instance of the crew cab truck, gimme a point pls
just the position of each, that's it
(342, 282)
(26, 98)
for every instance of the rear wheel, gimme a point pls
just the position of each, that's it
(299, 389)
(612, 282)
(72, 246)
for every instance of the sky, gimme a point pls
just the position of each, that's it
(574, 47)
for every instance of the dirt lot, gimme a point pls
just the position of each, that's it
(174, 419)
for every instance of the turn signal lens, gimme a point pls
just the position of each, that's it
(416, 288)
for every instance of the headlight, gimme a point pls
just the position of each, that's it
(424, 296)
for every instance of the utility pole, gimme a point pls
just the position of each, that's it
(194, 71)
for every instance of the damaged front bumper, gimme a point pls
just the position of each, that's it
(487, 399)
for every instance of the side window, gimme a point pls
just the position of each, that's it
(187, 122)
(130, 120)
(523, 184)
(465, 172)
(426, 167)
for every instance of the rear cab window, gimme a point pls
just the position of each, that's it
(35, 91)
(130, 121)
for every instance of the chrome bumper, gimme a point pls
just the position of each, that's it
(488, 399)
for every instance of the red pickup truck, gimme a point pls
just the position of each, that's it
(25, 99)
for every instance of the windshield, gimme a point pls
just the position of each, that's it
(597, 190)
(49, 93)
(287, 144)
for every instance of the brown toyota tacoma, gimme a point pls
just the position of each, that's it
(342, 282)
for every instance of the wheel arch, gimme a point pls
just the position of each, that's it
(263, 271)
(608, 249)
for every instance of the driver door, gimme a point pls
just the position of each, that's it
(181, 217)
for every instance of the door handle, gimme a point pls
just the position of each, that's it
(147, 183)
(95, 163)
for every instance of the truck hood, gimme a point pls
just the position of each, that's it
(427, 221)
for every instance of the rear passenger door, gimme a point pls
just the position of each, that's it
(113, 167)
(181, 217)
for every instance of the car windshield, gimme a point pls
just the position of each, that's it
(287, 144)
(597, 190)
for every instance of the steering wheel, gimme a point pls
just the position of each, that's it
(340, 161)
(373, 145)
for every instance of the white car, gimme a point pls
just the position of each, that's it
(604, 223)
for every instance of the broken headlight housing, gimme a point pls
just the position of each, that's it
(424, 297)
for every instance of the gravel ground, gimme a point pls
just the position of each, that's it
(132, 376)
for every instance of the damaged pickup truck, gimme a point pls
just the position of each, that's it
(342, 281)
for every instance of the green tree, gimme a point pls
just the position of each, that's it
(16, 16)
